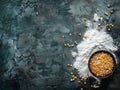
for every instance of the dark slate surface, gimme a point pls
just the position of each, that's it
(32, 54)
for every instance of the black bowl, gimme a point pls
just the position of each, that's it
(103, 77)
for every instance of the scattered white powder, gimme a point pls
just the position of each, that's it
(93, 41)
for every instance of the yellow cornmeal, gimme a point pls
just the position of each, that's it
(101, 64)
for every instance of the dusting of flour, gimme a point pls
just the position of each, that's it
(94, 40)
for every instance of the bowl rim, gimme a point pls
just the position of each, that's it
(102, 77)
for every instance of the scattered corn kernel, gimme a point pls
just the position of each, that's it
(107, 18)
(81, 89)
(111, 25)
(71, 80)
(108, 5)
(68, 45)
(79, 34)
(106, 13)
(108, 29)
(78, 81)
(73, 56)
(71, 73)
(78, 70)
(100, 19)
(80, 76)
(65, 45)
(84, 19)
(63, 36)
(86, 26)
(69, 65)
(91, 85)
(99, 28)
(107, 25)
(85, 36)
(111, 11)
(74, 77)
(70, 34)
(75, 42)
(84, 82)
(94, 20)
(97, 9)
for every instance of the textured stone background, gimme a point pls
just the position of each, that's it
(32, 54)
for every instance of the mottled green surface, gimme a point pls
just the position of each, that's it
(32, 52)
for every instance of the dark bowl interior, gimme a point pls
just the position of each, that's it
(103, 77)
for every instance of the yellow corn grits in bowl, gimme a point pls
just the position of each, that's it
(102, 64)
